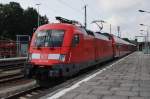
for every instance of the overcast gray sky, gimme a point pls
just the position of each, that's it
(123, 13)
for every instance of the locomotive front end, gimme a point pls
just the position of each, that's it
(49, 51)
(46, 47)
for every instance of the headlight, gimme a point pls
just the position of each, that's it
(53, 56)
(35, 56)
(60, 57)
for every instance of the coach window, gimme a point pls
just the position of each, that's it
(76, 40)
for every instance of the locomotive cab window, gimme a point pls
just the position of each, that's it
(49, 38)
(76, 40)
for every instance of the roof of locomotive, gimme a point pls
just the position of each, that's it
(66, 26)
(56, 25)
(100, 36)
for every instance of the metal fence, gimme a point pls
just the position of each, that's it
(22, 43)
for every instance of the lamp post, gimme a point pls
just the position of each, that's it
(136, 37)
(38, 7)
(143, 11)
(145, 44)
(146, 37)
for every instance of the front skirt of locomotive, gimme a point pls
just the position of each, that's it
(47, 72)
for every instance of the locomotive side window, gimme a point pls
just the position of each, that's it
(75, 40)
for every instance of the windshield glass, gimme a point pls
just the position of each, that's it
(49, 38)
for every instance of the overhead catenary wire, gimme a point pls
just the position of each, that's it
(82, 12)
(69, 6)
(92, 17)
(86, 4)
(98, 15)
(77, 10)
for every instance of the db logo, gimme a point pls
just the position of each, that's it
(43, 56)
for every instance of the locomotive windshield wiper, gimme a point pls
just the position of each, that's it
(38, 43)
(51, 40)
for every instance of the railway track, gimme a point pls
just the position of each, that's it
(12, 63)
(29, 92)
(11, 78)
(11, 68)
(9, 75)
(16, 86)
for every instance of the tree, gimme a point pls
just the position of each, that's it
(30, 20)
(12, 16)
(14, 20)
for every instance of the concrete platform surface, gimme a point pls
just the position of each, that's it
(128, 78)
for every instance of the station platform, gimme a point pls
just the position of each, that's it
(128, 78)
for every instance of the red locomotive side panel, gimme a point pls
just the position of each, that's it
(103, 47)
(83, 52)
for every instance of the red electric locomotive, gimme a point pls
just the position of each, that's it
(62, 50)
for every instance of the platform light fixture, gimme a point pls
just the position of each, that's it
(146, 38)
(38, 7)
